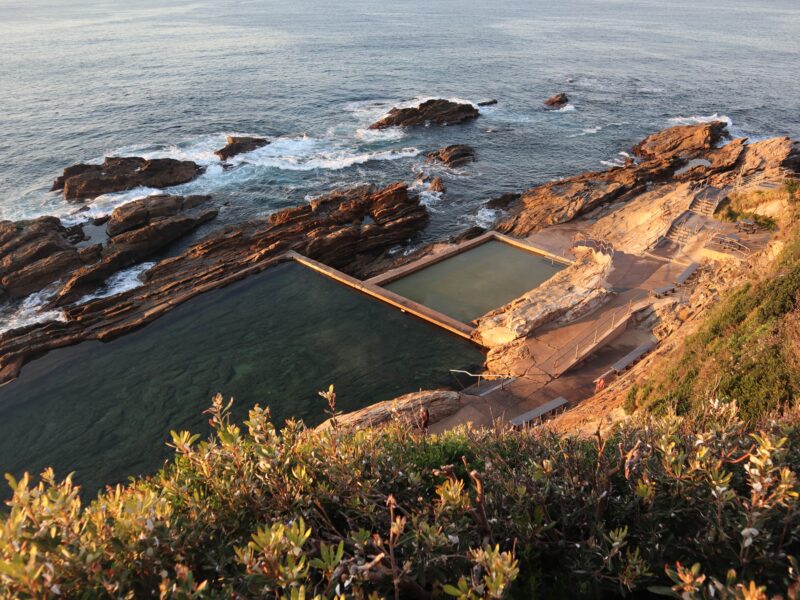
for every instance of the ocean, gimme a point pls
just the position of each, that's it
(82, 80)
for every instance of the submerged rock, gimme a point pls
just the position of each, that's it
(454, 155)
(557, 101)
(118, 174)
(491, 102)
(239, 145)
(437, 112)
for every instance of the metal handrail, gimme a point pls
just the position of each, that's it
(573, 350)
(481, 376)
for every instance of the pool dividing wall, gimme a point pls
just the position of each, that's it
(473, 282)
(105, 410)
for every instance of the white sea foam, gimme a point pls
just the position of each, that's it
(566, 108)
(307, 153)
(485, 217)
(695, 119)
(124, 280)
(30, 311)
(380, 135)
(431, 200)
(105, 204)
(587, 131)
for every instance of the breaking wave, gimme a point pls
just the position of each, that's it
(30, 311)
(124, 280)
(695, 119)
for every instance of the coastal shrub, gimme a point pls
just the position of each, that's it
(744, 349)
(257, 512)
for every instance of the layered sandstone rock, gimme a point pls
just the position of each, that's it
(435, 112)
(348, 229)
(34, 255)
(407, 409)
(240, 144)
(574, 291)
(661, 154)
(117, 174)
(454, 155)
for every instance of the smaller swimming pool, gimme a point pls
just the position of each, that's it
(470, 284)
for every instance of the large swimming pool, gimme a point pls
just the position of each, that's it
(470, 284)
(276, 338)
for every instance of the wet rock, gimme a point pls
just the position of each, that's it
(557, 101)
(467, 234)
(436, 112)
(239, 145)
(437, 185)
(503, 201)
(117, 174)
(491, 102)
(140, 212)
(136, 231)
(34, 254)
(454, 155)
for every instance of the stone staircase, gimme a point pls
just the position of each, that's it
(679, 233)
(704, 206)
(707, 201)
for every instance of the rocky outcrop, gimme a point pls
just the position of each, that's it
(348, 229)
(435, 112)
(407, 409)
(454, 155)
(683, 141)
(139, 213)
(574, 291)
(557, 101)
(239, 145)
(661, 155)
(117, 174)
(33, 255)
(437, 185)
(136, 231)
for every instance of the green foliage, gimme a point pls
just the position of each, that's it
(741, 351)
(299, 513)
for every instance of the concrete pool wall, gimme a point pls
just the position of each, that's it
(474, 277)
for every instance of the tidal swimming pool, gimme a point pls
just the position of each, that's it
(104, 410)
(470, 284)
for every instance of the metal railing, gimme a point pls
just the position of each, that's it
(595, 244)
(577, 349)
(480, 377)
(729, 244)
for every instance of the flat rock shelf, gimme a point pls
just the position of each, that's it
(275, 338)
(470, 284)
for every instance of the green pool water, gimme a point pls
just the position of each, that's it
(276, 338)
(470, 284)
